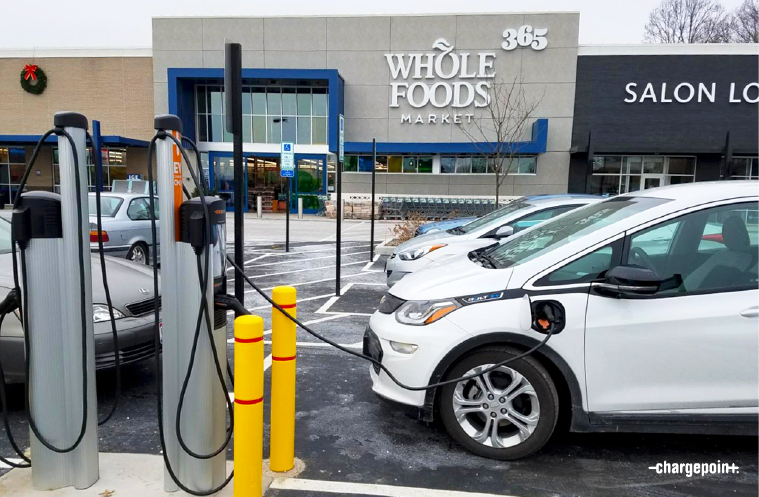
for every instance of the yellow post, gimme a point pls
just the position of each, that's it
(282, 443)
(249, 406)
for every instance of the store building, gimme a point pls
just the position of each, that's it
(112, 86)
(600, 119)
(655, 115)
(413, 83)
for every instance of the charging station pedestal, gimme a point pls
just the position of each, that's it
(55, 321)
(203, 421)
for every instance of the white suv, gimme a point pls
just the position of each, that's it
(652, 297)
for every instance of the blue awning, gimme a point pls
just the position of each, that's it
(31, 140)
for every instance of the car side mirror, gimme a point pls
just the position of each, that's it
(629, 281)
(503, 232)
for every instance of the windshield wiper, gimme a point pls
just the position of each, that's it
(456, 231)
(485, 260)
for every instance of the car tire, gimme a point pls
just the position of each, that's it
(462, 405)
(139, 253)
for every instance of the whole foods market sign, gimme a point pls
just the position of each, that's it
(445, 79)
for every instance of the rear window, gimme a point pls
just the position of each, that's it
(109, 206)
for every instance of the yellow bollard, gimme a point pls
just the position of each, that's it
(249, 406)
(282, 443)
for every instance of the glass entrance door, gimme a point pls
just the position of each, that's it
(264, 181)
(652, 181)
(309, 183)
(223, 180)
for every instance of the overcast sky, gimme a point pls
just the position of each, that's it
(126, 23)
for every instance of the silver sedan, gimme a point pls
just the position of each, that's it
(131, 287)
(126, 225)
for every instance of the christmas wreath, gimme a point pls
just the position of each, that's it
(33, 79)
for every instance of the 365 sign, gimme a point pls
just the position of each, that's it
(525, 36)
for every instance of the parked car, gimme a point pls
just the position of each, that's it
(126, 225)
(131, 286)
(520, 214)
(436, 226)
(655, 323)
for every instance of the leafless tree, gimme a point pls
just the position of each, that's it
(688, 21)
(745, 28)
(498, 129)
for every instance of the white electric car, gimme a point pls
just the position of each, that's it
(653, 299)
(518, 215)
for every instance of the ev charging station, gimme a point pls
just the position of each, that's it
(203, 416)
(53, 235)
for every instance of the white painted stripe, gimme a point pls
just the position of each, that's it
(14, 461)
(313, 321)
(306, 269)
(344, 487)
(256, 258)
(311, 282)
(294, 261)
(327, 305)
(358, 345)
(267, 362)
(297, 301)
(301, 252)
(346, 229)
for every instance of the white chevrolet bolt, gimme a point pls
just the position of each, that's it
(516, 216)
(652, 298)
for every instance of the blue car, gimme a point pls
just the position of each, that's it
(442, 225)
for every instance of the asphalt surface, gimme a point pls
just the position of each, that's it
(344, 433)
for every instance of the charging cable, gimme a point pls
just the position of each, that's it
(549, 334)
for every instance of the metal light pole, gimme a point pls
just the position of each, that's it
(233, 101)
(374, 170)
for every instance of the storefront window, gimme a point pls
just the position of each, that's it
(477, 164)
(114, 168)
(613, 174)
(12, 166)
(743, 168)
(271, 114)
(392, 163)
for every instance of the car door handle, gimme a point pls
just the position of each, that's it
(751, 312)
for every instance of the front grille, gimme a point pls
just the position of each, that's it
(372, 348)
(143, 307)
(128, 354)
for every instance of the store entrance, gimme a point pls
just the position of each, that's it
(262, 179)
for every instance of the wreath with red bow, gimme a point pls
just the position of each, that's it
(33, 79)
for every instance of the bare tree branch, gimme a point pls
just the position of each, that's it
(689, 21)
(745, 25)
(498, 131)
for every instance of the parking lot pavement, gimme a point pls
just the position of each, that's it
(355, 444)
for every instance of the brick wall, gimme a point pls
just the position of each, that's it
(117, 91)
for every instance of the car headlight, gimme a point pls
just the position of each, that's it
(422, 312)
(100, 313)
(412, 255)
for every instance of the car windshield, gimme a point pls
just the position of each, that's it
(5, 236)
(488, 218)
(567, 228)
(109, 206)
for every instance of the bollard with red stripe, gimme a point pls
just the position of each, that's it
(282, 443)
(249, 406)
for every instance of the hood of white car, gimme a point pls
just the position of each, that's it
(452, 277)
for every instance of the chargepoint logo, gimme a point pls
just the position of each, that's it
(445, 79)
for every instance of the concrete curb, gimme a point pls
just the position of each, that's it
(384, 249)
(124, 475)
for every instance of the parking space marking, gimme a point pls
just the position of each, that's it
(357, 345)
(300, 252)
(302, 260)
(342, 487)
(312, 282)
(370, 264)
(14, 461)
(346, 229)
(297, 301)
(324, 309)
(306, 269)
(313, 321)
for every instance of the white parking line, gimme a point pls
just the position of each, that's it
(14, 461)
(297, 301)
(313, 321)
(306, 269)
(357, 345)
(314, 281)
(346, 229)
(344, 487)
(302, 260)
